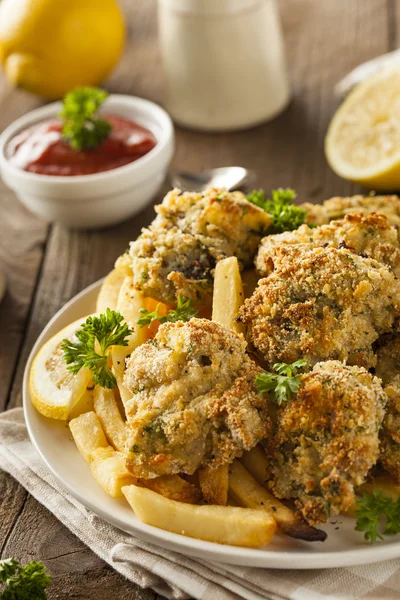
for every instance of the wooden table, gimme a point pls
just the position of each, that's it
(46, 264)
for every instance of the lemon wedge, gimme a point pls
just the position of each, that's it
(363, 139)
(54, 390)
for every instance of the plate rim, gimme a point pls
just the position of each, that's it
(237, 555)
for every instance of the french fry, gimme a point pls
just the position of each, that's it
(84, 405)
(220, 524)
(107, 465)
(88, 434)
(109, 291)
(256, 462)
(214, 484)
(118, 357)
(173, 487)
(109, 470)
(247, 487)
(382, 482)
(130, 301)
(106, 408)
(228, 294)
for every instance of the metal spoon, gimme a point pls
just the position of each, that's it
(231, 178)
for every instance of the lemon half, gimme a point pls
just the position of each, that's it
(363, 139)
(54, 390)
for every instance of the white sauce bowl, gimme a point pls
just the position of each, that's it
(100, 199)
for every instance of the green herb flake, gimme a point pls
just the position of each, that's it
(97, 333)
(183, 312)
(282, 384)
(81, 129)
(285, 215)
(371, 508)
(23, 583)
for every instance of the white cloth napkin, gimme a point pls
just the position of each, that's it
(171, 574)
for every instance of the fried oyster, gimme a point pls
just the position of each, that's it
(339, 206)
(177, 253)
(194, 400)
(319, 304)
(364, 234)
(388, 370)
(326, 439)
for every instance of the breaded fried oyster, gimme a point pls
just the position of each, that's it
(388, 369)
(319, 304)
(327, 439)
(367, 235)
(177, 253)
(194, 400)
(338, 207)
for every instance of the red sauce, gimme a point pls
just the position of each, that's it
(41, 149)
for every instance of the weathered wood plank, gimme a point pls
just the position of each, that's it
(76, 571)
(12, 500)
(394, 24)
(22, 239)
(139, 72)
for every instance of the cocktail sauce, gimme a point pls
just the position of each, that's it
(42, 149)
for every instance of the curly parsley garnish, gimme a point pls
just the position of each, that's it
(95, 338)
(370, 510)
(23, 583)
(81, 129)
(183, 312)
(282, 384)
(286, 216)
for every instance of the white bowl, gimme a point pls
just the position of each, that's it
(89, 201)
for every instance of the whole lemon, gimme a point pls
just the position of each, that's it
(51, 46)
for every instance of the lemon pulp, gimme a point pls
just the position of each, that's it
(363, 139)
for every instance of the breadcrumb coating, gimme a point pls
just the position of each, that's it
(327, 439)
(364, 234)
(339, 206)
(194, 400)
(176, 255)
(319, 304)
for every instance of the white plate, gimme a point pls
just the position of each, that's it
(343, 547)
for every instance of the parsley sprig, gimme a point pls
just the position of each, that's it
(286, 216)
(371, 508)
(81, 129)
(183, 312)
(282, 384)
(23, 583)
(94, 340)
